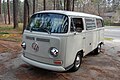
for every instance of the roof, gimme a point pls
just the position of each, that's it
(70, 13)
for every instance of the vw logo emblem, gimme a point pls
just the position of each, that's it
(35, 46)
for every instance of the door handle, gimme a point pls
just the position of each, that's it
(75, 33)
(83, 37)
(90, 43)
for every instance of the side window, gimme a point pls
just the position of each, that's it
(99, 23)
(90, 23)
(77, 25)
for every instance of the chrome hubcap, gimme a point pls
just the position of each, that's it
(77, 63)
(99, 49)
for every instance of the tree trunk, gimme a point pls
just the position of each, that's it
(61, 7)
(4, 8)
(0, 13)
(0, 8)
(26, 14)
(8, 6)
(44, 4)
(83, 8)
(77, 6)
(34, 6)
(99, 9)
(15, 13)
(68, 5)
(73, 6)
(57, 4)
(54, 4)
(64, 4)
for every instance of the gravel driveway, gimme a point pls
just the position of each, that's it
(94, 67)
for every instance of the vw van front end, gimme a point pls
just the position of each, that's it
(44, 43)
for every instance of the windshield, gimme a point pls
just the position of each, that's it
(48, 22)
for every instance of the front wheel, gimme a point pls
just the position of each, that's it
(77, 63)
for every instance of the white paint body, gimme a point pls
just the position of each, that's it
(68, 44)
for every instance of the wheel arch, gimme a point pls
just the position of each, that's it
(73, 68)
(80, 53)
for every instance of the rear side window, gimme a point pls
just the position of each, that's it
(99, 23)
(90, 23)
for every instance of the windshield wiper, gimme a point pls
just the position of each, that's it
(45, 29)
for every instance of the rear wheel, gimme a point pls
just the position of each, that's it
(98, 49)
(77, 63)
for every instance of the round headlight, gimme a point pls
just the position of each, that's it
(23, 45)
(54, 51)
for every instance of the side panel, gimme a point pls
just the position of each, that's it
(75, 42)
(100, 30)
(91, 41)
(101, 34)
(92, 35)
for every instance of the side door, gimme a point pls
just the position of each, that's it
(75, 40)
(91, 35)
(79, 34)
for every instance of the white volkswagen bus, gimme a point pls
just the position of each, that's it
(57, 40)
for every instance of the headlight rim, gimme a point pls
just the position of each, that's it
(54, 54)
(23, 45)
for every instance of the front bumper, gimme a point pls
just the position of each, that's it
(42, 65)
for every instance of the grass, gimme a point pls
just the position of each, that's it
(4, 33)
(113, 26)
(116, 26)
(109, 39)
(5, 28)
(9, 28)
(11, 37)
(8, 33)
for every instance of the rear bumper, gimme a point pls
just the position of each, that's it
(42, 65)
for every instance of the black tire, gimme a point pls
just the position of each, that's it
(97, 50)
(77, 63)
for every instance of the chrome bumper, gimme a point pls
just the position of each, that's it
(42, 65)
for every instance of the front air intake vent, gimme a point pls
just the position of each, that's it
(30, 38)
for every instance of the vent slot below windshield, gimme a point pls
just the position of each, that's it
(30, 38)
(43, 40)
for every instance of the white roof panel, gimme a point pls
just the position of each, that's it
(70, 13)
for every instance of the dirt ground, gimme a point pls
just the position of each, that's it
(99, 67)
